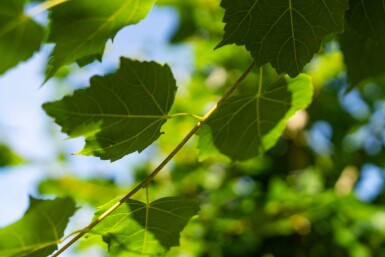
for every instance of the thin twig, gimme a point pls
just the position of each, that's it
(149, 178)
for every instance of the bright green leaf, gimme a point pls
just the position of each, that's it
(81, 28)
(284, 32)
(39, 231)
(121, 112)
(247, 125)
(138, 229)
(20, 36)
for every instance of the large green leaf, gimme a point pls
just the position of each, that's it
(20, 36)
(81, 28)
(121, 112)
(247, 125)
(284, 32)
(39, 231)
(139, 229)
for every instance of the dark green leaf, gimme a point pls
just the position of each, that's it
(284, 32)
(364, 57)
(20, 36)
(39, 231)
(363, 44)
(81, 28)
(367, 18)
(138, 229)
(247, 125)
(8, 157)
(121, 112)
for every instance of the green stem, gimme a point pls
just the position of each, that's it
(45, 6)
(199, 118)
(260, 81)
(149, 178)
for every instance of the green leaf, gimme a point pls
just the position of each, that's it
(286, 33)
(206, 148)
(138, 229)
(8, 157)
(367, 18)
(121, 112)
(39, 231)
(364, 57)
(81, 28)
(20, 36)
(363, 44)
(247, 125)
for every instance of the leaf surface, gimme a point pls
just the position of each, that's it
(81, 28)
(137, 229)
(39, 231)
(284, 32)
(20, 36)
(121, 112)
(247, 125)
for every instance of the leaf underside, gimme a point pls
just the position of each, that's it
(286, 33)
(20, 36)
(121, 112)
(39, 231)
(137, 229)
(247, 125)
(81, 28)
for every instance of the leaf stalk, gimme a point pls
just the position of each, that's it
(45, 6)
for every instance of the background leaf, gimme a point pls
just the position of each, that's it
(137, 229)
(8, 157)
(39, 231)
(91, 191)
(249, 124)
(284, 32)
(367, 18)
(20, 36)
(364, 57)
(121, 112)
(363, 44)
(81, 28)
